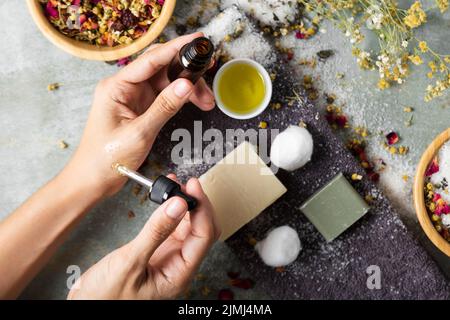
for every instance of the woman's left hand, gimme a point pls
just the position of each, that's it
(128, 111)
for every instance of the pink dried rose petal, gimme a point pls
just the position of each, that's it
(436, 197)
(123, 61)
(82, 19)
(299, 35)
(51, 10)
(226, 294)
(433, 167)
(242, 283)
(341, 121)
(373, 176)
(76, 2)
(110, 41)
(392, 138)
(330, 117)
(290, 55)
(442, 209)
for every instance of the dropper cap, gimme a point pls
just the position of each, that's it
(161, 189)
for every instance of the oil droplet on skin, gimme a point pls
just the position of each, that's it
(112, 147)
(241, 88)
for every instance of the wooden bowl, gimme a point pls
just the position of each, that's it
(419, 197)
(88, 51)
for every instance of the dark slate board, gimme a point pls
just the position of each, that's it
(322, 271)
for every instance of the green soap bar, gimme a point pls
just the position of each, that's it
(335, 207)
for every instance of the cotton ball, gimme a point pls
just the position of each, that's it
(292, 148)
(281, 247)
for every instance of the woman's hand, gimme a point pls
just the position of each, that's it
(129, 110)
(160, 262)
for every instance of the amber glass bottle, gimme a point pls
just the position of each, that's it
(192, 61)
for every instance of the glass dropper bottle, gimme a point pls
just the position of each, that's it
(193, 60)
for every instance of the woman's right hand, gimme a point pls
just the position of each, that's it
(161, 261)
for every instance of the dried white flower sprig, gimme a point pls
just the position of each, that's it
(395, 28)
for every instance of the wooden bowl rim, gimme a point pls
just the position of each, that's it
(419, 197)
(91, 52)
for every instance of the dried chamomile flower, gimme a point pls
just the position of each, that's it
(443, 5)
(395, 29)
(53, 86)
(416, 16)
(262, 125)
(62, 144)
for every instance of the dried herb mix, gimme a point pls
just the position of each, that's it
(103, 22)
(436, 191)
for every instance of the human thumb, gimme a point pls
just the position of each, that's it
(159, 227)
(166, 105)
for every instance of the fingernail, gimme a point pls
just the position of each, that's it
(176, 208)
(182, 88)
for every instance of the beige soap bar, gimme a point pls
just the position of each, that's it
(240, 187)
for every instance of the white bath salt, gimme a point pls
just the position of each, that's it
(292, 148)
(249, 44)
(445, 218)
(444, 170)
(223, 24)
(334, 75)
(203, 10)
(280, 248)
(268, 12)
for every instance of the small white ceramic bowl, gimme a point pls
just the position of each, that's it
(267, 84)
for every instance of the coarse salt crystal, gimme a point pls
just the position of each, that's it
(446, 220)
(268, 12)
(249, 44)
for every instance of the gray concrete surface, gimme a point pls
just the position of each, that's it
(33, 121)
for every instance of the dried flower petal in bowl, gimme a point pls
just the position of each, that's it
(431, 192)
(436, 191)
(103, 22)
(103, 30)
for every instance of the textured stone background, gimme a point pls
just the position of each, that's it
(34, 120)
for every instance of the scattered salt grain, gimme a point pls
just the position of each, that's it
(249, 44)
(268, 12)
(280, 248)
(446, 220)
(225, 23)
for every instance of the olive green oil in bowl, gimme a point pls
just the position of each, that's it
(242, 88)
